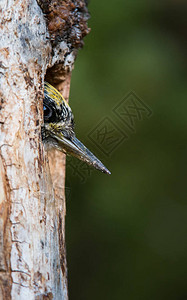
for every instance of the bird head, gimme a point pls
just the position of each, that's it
(58, 129)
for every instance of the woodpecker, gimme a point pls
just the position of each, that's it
(58, 129)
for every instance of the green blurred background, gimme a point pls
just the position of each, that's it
(126, 233)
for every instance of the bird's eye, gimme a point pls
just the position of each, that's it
(47, 112)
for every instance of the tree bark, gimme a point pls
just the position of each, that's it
(38, 40)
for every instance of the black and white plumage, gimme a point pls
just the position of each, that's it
(58, 129)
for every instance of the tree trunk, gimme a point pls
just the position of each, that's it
(37, 41)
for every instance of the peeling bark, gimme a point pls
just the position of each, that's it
(32, 195)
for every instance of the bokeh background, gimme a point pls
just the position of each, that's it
(126, 234)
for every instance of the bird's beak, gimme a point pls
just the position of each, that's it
(74, 147)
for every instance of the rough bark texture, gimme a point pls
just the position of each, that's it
(35, 38)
